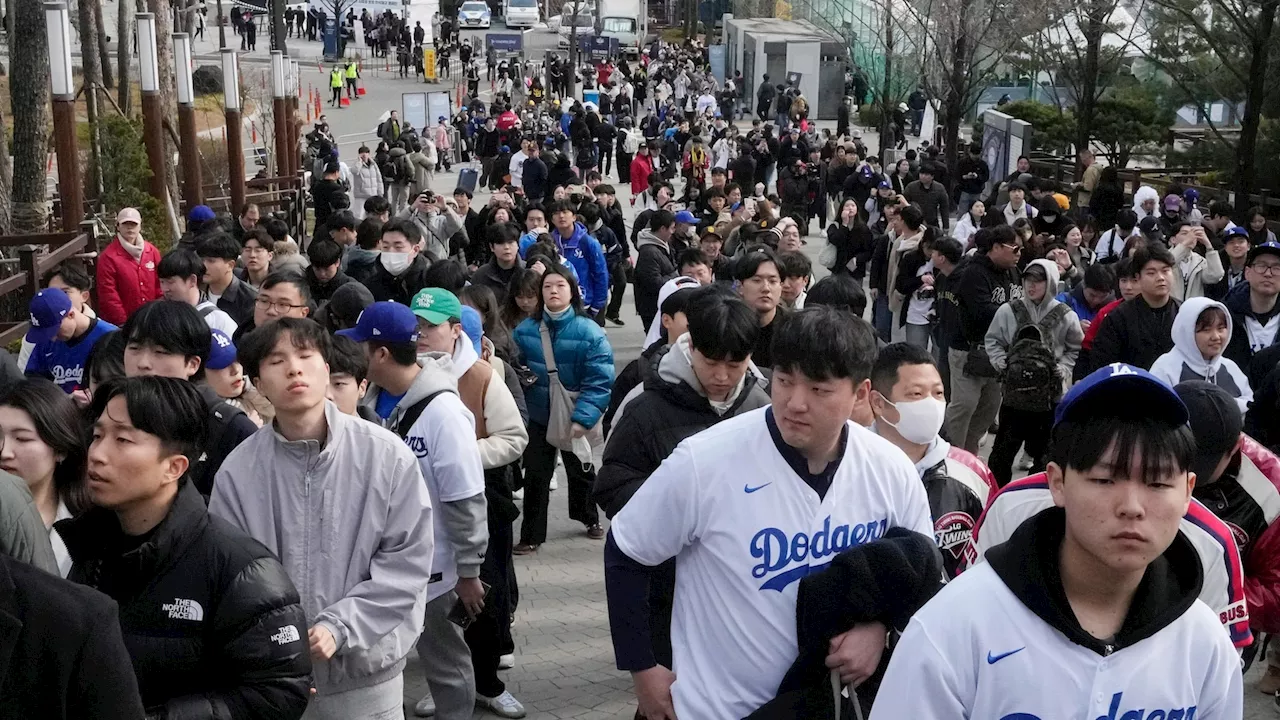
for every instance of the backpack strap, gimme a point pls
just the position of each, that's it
(1050, 321)
(413, 412)
(1021, 314)
(206, 309)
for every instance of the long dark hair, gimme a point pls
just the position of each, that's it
(57, 422)
(524, 282)
(575, 294)
(483, 300)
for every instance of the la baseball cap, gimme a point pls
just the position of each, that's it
(201, 213)
(222, 352)
(1235, 232)
(1119, 385)
(1215, 422)
(436, 305)
(1267, 248)
(384, 321)
(686, 217)
(47, 309)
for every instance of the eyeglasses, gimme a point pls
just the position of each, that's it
(1015, 248)
(281, 306)
(254, 249)
(1265, 270)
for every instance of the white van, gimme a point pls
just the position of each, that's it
(520, 13)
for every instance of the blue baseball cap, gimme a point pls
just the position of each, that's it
(473, 326)
(1236, 231)
(686, 217)
(222, 352)
(1267, 248)
(384, 321)
(1121, 386)
(47, 308)
(201, 213)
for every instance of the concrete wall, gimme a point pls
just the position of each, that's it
(804, 58)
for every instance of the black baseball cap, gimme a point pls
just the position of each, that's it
(1215, 420)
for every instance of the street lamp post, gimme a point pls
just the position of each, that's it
(279, 93)
(152, 110)
(235, 128)
(295, 76)
(58, 26)
(189, 149)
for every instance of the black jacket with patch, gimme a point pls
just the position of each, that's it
(213, 624)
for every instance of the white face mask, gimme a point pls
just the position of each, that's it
(395, 263)
(919, 420)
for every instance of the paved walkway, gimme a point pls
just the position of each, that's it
(564, 658)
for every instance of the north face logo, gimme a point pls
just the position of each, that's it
(286, 635)
(181, 609)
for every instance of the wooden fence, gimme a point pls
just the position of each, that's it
(38, 254)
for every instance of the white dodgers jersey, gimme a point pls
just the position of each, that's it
(744, 528)
(975, 652)
(1223, 586)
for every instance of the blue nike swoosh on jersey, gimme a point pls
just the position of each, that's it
(993, 659)
(750, 489)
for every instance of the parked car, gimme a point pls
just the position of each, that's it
(474, 14)
(521, 13)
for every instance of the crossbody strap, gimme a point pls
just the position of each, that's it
(548, 355)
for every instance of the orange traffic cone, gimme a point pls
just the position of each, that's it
(344, 102)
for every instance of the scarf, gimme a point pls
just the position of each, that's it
(134, 251)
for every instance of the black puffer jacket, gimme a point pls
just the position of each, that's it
(213, 624)
(648, 427)
(646, 430)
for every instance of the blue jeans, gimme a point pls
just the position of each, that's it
(966, 201)
(882, 317)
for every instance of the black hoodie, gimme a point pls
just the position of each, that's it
(1028, 564)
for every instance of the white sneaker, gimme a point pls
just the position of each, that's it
(503, 706)
(554, 485)
(518, 494)
(506, 662)
(426, 707)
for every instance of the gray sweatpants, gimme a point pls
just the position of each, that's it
(384, 701)
(446, 661)
(975, 402)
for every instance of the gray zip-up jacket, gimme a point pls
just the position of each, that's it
(436, 229)
(443, 438)
(351, 520)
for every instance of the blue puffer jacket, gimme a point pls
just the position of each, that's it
(586, 256)
(584, 360)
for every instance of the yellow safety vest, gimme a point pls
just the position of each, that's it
(351, 71)
(335, 78)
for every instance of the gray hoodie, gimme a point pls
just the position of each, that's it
(444, 440)
(351, 521)
(1065, 341)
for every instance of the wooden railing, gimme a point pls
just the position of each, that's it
(37, 255)
(285, 195)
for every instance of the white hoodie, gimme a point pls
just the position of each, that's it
(1186, 362)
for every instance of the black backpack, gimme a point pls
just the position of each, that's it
(1032, 381)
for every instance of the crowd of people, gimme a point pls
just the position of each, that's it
(248, 476)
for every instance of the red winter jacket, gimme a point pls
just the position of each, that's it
(125, 284)
(641, 169)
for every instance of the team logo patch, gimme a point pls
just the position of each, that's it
(181, 609)
(1235, 612)
(952, 531)
(1237, 532)
(776, 550)
(286, 635)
